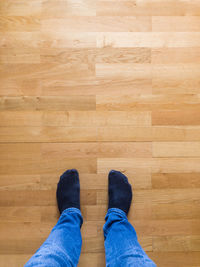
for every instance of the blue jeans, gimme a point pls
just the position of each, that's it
(63, 246)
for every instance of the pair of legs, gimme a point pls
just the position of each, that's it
(63, 246)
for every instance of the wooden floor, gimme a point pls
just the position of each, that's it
(100, 85)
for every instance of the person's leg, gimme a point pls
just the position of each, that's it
(121, 245)
(63, 246)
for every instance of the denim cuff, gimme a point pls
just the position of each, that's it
(116, 210)
(73, 210)
(113, 215)
(68, 210)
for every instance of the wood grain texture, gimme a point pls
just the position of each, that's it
(99, 85)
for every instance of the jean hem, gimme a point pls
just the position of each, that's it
(68, 210)
(113, 211)
(116, 210)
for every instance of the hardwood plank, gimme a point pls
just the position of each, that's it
(123, 55)
(49, 118)
(13, 87)
(176, 149)
(151, 102)
(20, 230)
(153, 8)
(176, 117)
(175, 180)
(20, 40)
(45, 71)
(175, 55)
(37, 166)
(148, 39)
(19, 56)
(184, 77)
(176, 133)
(19, 23)
(14, 260)
(176, 259)
(20, 247)
(179, 210)
(105, 118)
(86, 86)
(105, 134)
(95, 259)
(19, 182)
(48, 103)
(75, 118)
(42, 39)
(63, 39)
(17, 118)
(164, 228)
(87, 150)
(137, 71)
(21, 8)
(20, 214)
(70, 55)
(175, 23)
(97, 24)
(21, 152)
(62, 8)
(177, 243)
(47, 134)
(91, 55)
